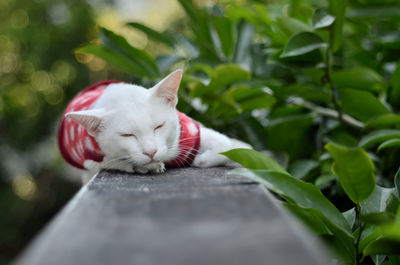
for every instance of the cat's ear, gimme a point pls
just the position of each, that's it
(168, 88)
(90, 119)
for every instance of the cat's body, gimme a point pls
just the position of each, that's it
(138, 130)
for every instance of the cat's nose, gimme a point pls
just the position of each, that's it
(150, 153)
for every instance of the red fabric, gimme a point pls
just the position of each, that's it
(76, 145)
(74, 142)
(189, 142)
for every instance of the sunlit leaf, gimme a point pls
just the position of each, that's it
(296, 191)
(381, 200)
(114, 58)
(166, 39)
(378, 136)
(355, 171)
(291, 26)
(120, 45)
(384, 239)
(322, 19)
(397, 182)
(302, 43)
(350, 216)
(252, 159)
(389, 143)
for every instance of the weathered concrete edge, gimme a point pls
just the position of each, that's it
(38, 245)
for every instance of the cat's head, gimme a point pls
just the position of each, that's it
(135, 124)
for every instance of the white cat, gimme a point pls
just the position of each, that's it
(114, 125)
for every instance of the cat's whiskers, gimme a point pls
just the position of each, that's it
(118, 161)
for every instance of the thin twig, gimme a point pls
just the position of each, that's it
(357, 243)
(328, 112)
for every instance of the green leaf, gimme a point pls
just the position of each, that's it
(350, 216)
(378, 137)
(201, 29)
(381, 200)
(338, 239)
(301, 168)
(222, 77)
(166, 39)
(394, 259)
(361, 105)
(250, 98)
(120, 45)
(113, 57)
(227, 74)
(324, 180)
(306, 92)
(322, 19)
(397, 182)
(313, 218)
(302, 43)
(291, 26)
(383, 240)
(377, 218)
(165, 62)
(389, 143)
(224, 29)
(252, 159)
(245, 35)
(337, 8)
(355, 171)
(394, 92)
(383, 121)
(361, 78)
(280, 136)
(296, 191)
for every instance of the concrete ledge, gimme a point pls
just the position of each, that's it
(186, 216)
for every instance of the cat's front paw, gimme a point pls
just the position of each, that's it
(159, 168)
(156, 168)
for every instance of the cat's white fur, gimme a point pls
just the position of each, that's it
(136, 112)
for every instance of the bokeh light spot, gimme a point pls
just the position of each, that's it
(54, 95)
(41, 80)
(97, 64)
(19, 19)
(83, 57)
(9, 63)
(63, 72)
(24, 187)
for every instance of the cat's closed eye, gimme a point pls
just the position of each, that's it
(159, 126)
(127, 135)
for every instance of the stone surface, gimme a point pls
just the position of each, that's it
(186, 216)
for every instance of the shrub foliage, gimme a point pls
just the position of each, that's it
(315, 82)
